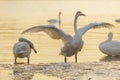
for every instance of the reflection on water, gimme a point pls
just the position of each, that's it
(6, 75)
(23, 72)
(28, 72)
(44, 77)
(6, 72)
(110, 58)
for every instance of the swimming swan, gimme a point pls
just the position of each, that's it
(109, 47)
(117, 20)
(23, 49)
(55, 20)
(72, 44)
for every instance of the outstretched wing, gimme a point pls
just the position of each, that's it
(51, 30)
(95, 25)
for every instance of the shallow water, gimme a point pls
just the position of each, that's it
(13, 20)
(44, 77)
(48, 49)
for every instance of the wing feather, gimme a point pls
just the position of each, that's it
(51, 30)
(94, 25)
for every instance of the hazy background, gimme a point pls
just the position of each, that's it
(45, 9)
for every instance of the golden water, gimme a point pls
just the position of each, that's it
(16, 16)
(48, 49)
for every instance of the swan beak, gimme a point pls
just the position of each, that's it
(83, 14)
(35, 51)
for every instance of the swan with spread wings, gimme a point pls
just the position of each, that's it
(72, 44)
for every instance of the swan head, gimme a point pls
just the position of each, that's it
(79, 13)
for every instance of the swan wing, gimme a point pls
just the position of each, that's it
(94, 25)
(51, 30)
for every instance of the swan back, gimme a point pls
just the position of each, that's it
(25, 40)
(29, 42)
(53, 21)
(111, 48)
(22, 49)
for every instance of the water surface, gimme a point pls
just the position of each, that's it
(17, 15)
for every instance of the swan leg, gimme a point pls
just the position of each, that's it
(28, 60)
(75, 58)
(65, 59)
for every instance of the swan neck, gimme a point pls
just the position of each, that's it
(110, 38)
(75, 24)
(59, 20)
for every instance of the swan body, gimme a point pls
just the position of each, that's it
(72, 44)
(23, 49)
(117, 20)
(53, 21)
(109, 47)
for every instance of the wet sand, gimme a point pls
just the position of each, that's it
(107, 69)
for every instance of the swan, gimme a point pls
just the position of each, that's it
(22, 49)
(109, 47)
(72, 44)
(53, 21)
(117, 20)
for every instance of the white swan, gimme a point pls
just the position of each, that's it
(109, 47)
(23, 49)
(53, 21)
(72, 45)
